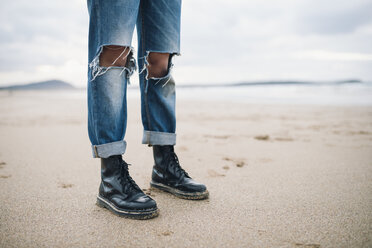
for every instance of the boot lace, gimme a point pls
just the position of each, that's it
(129, 185)
(172, 159)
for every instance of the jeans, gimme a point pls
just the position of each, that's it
(112, 22)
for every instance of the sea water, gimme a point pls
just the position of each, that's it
(319, 94)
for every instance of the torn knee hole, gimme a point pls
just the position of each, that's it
(110, 57)
(158, 64)
(114, 56)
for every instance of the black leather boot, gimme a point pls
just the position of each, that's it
(167, 175)
(120, 194)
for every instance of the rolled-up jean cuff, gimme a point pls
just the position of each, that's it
(109, 149)
(158, 138)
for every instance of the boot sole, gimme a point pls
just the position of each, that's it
(181, 194)
(139, 215)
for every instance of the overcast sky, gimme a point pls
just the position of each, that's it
(221, 41)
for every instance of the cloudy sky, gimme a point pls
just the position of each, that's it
(221, 41)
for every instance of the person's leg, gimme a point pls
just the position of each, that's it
(158, 28)
(111, 63)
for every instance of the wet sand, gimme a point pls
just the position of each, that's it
(278, 176)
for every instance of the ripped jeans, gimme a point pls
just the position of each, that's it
(112, 22)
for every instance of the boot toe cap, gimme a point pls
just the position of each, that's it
(145, 202)
(138, 202)
(192, 186)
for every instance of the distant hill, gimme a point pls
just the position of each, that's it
(45, 85)
(268, 83)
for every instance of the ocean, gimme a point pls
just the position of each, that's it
(318, 94)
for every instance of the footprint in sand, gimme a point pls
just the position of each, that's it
(166, 233)
(2, 165)
(5, 176)
(262, 137)
(267, 137)
(213, 173)
(361, 132)
(307, 245)
(238, 162)
(65, 185)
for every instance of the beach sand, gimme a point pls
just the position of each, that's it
(278, 176)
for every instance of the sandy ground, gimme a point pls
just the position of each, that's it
(278, 176)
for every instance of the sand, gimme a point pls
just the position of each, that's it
(278, 176)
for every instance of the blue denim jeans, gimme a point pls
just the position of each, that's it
(112, 22)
